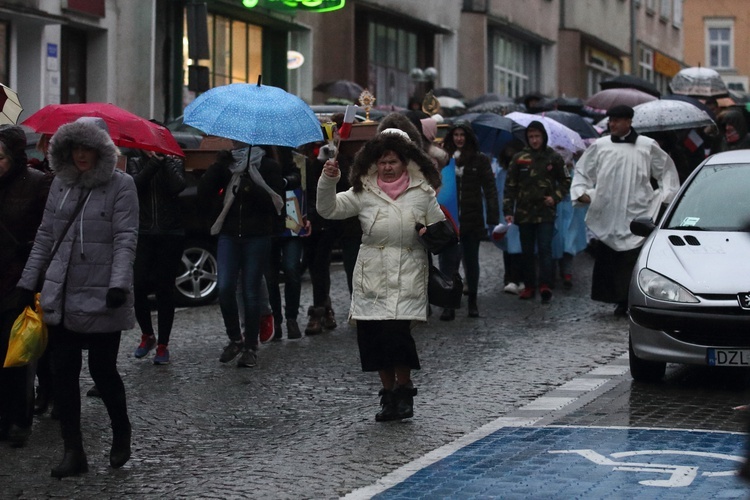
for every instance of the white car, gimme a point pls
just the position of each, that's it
(689, 296)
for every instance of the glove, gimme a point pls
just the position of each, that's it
(25, 298)
(116, 297)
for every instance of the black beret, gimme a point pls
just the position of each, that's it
(621, 111)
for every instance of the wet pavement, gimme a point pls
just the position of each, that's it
(301, 424)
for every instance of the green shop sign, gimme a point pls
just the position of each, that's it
(286, 5)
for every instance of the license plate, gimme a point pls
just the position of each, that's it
(728, 357)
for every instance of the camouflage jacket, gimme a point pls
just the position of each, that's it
(532, 175)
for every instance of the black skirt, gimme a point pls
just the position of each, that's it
(386, 344)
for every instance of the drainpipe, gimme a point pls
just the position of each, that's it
(152, 68)
(633, 41)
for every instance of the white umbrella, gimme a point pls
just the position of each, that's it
(447, 102)
(700, 82)
(657, 116)
(10, 106)
(559, 136)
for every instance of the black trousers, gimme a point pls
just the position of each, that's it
(157, 260)
(16, 384)
(318, 249)
(612, 272)
(66, 347)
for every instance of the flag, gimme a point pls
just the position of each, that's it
(447, 196)
(346, 127)
(693, 141)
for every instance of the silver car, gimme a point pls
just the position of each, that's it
(690, 291)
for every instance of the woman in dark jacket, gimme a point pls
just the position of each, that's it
(88, 281)
(478, 208)
(161, 238)
(23, 192)
(246, 188)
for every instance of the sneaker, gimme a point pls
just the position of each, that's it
(148, 342)
(248, 359)
(231, 351)
(292, 329)
(527, 293)
(546, 294)
(266, 328)
(511, 288)
(567, 281)
(162, 355)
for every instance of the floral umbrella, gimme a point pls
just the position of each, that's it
(254, 114)
(661, 115)
(560, 136)
(698, 82)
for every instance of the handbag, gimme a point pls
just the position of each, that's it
(28, 337)
(438, 237)
(443, 291)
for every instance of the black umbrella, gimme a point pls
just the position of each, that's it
(630, 82)
(447, 92)
(344, 89)
(489, 97)
(571, 104)
(575, 122)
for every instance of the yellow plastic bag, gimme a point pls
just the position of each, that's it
(28, 337)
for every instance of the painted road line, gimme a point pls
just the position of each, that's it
(536, 411)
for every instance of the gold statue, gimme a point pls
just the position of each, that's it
(366, 99)
(430, 104)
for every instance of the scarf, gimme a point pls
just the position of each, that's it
(241, 164)
(396, 188)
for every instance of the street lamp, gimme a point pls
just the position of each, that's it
(423, 75)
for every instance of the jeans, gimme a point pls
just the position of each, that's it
(157, 260)
(251, 256)
(286, 255)
(537, 238)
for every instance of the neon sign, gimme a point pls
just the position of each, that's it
(308, 5)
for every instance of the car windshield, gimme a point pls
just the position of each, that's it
(716, 200)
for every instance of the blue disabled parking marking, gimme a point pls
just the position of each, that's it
(584, 462)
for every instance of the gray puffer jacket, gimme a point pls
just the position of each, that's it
(98, 250)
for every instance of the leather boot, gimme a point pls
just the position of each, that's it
(329, 319)
(448, 314)
(73, 463)
(405, 401)
(314, 322)
(388, 406)
(41, 403)
(120, 452)
(473, 310)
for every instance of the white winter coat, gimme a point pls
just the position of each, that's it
(390, 276)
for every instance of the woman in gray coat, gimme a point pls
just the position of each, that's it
(87, 287)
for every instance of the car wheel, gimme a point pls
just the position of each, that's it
(643, 370)
(196, 281)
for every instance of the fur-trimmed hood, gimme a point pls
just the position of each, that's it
(366, 159)
(88, 133)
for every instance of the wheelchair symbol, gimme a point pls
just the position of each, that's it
(679, 475)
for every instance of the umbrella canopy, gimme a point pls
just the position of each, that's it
(692, 100)
(450, 102)
(571, 104)
(10, 106)
(489, 97)
(698, 82)
(492, 130)
(607, 99)
(126, 129)
(498, 107)
(254, 114)
(344, 89)
(447, 92)
(665, 114)
(630, 82)
(560, 136)
(575, 122)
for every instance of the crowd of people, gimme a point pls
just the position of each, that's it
(96, 240)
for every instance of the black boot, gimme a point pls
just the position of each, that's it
(448, 314)
(388, 404)
(120, 452)
(73, 463)
(41, 403)
(473, 310)
(315, 320)
(405, 401)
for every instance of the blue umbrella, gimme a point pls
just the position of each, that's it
(493, 131)
(254, 114)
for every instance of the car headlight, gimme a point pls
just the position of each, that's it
(658, 287)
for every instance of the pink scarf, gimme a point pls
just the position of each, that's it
(395, 188)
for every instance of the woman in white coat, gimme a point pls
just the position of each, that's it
(393, 189)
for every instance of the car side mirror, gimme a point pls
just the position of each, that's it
(642, 226)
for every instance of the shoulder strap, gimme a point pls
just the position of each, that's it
(77, 210)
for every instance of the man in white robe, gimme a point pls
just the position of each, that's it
(614, 176)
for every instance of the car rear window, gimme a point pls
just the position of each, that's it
(717, 199)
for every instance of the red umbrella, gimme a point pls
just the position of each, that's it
(125, 128)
